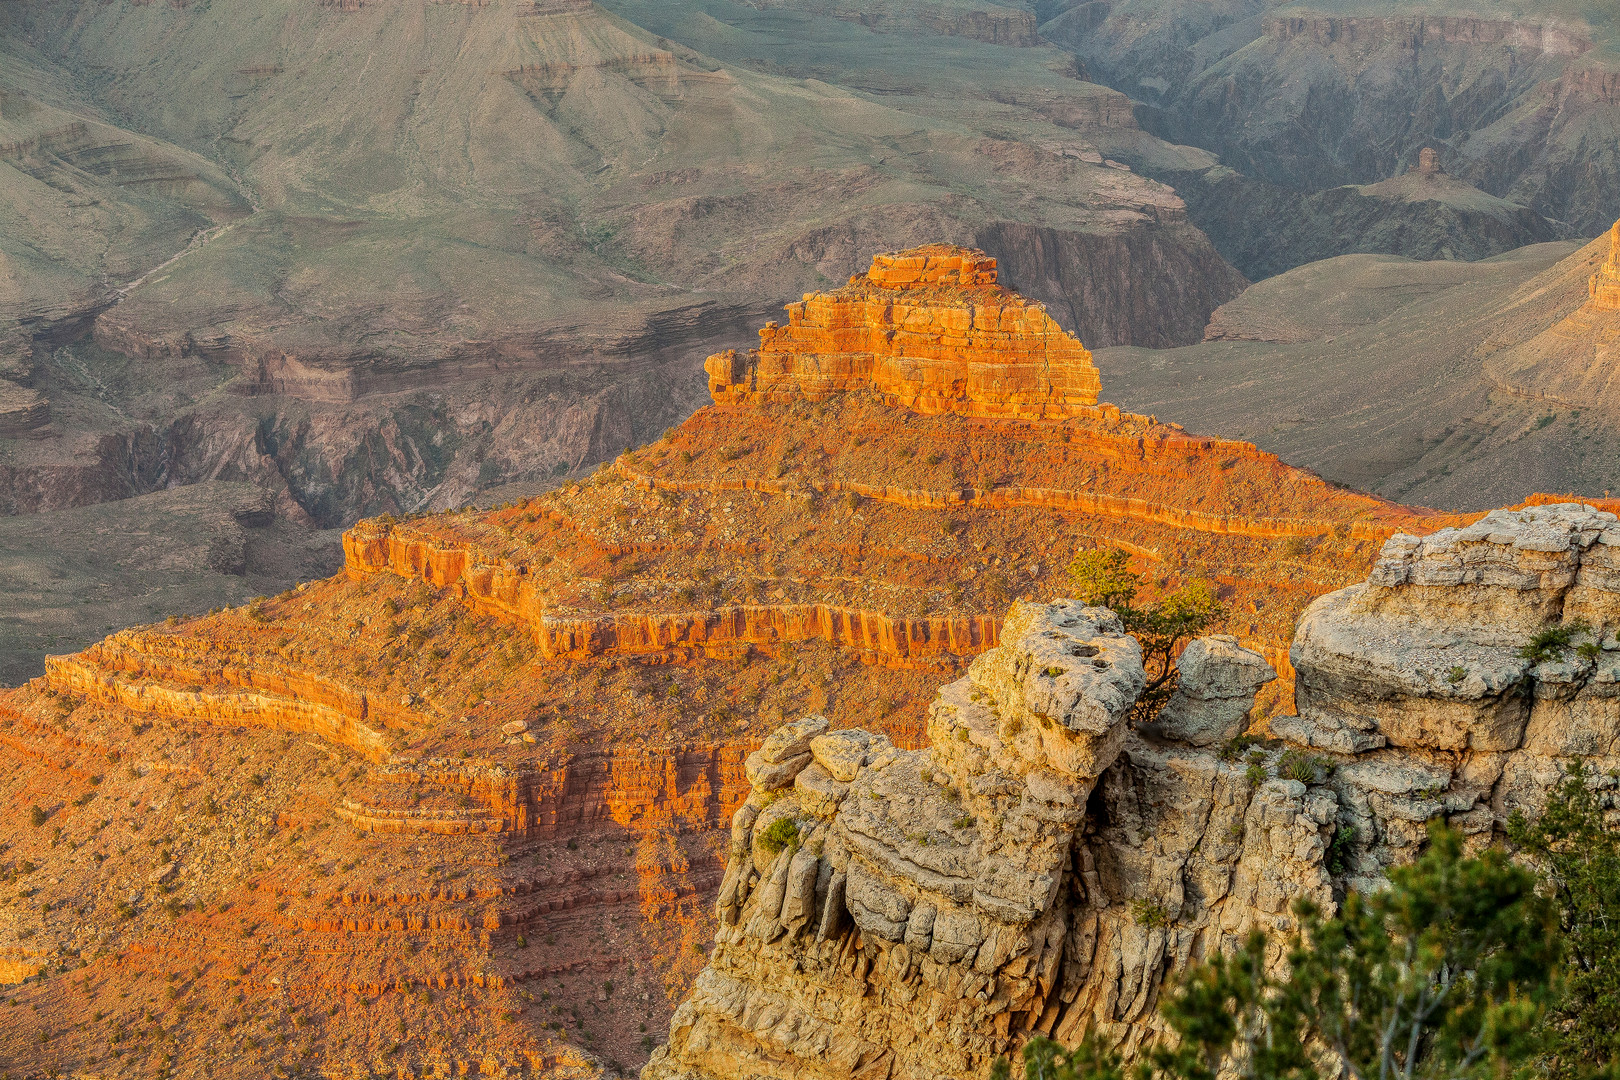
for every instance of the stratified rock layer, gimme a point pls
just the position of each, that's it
(1488, 651)
(486, 771)
(930, 330)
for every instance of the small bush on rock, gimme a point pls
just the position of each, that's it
(1150, 914)
(1104, 578)
(781, 833)
(1551, 642)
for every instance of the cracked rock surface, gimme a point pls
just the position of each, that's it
(1041, 867)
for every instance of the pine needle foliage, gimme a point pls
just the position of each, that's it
(1577, 848)
(1448, 974)
(1103, 577)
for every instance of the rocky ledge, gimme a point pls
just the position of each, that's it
(1041, 866)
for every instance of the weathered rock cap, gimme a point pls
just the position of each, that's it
(932, 265)
(928, 330)
(1438, 650)
(1062, 680)
(1508, 574)
(1216, 686)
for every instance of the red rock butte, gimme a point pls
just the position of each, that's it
(931, 330)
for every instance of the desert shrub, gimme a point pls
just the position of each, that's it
(1150, 914)
(1234, 747)
(1551, 642)
(1339, 850)
(779, 834)
(1294, 765)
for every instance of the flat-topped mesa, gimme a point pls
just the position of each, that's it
(1604, 287)
(929, 329)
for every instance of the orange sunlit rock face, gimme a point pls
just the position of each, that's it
(435, 806)
(930, 330)
(1604, 287)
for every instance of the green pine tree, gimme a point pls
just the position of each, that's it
(1578, 851)
(1446, 975)
(1103, 577)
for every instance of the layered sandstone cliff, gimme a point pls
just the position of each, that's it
(1040, 867)
(911, 430)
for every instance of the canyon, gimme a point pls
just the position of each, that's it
(1280, 129)
(415, 344)
(557, 215)
(561, 209)
(466, 804)
(1512, 99)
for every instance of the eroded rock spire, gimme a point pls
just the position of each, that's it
(1604, 287)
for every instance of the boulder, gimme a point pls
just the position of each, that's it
(819, 794)
(766, 775)
(1217, 680)
(791, 740)
(841, 753)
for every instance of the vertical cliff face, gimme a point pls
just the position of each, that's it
(1041, 867)
(1098, 283)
